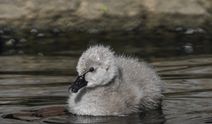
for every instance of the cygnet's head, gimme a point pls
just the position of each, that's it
(96, 67)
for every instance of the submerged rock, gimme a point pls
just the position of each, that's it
(33, 115)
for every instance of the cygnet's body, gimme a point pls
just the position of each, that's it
(117, 85)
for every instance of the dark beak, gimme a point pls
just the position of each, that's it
(79, 83)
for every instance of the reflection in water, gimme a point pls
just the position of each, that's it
(155, 117)
(31, 82)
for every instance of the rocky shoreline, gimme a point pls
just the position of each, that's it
(102, 15)
(44, 26)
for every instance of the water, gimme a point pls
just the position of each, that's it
(33, 82)
(38, 81)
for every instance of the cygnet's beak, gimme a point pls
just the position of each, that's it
(79, 83)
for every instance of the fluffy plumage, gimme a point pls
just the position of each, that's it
(118, 86)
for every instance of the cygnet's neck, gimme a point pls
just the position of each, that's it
(115, 82)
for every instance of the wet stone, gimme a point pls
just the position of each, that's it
(22, 40)
(34, 31)
(56, 31)
(192, 31)
(41, 35)
(188, 48)
(200, 30)
(10, 42)
(179, 29)
(189, 31)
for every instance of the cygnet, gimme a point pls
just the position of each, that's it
(112, 85)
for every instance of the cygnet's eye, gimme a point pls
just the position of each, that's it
(91, 69)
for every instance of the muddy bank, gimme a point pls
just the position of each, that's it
(67, 27)
(102, 15)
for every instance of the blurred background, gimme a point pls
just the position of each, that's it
(41, 41)
(145, 27)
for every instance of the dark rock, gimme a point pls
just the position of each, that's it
(7, 30)
(33, 115)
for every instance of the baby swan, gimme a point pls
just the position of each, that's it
(113, 85)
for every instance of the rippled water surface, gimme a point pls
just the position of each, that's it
(39, 82)
(34, 82)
